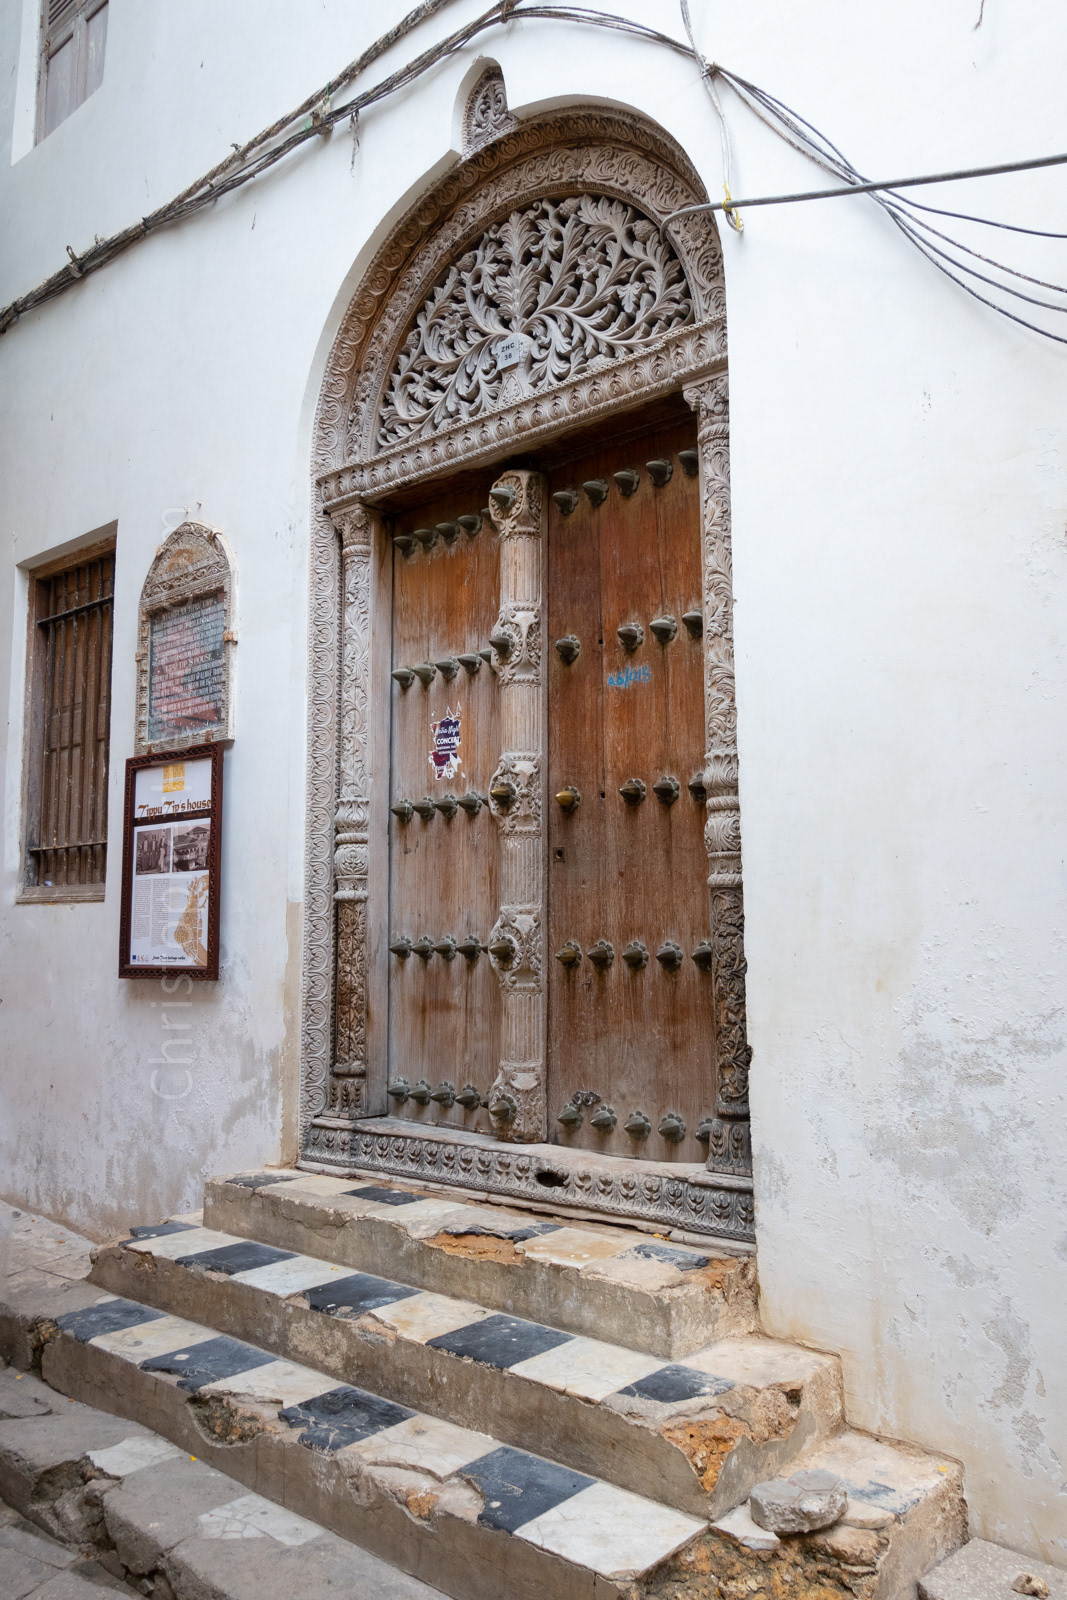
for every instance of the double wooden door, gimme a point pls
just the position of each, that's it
(626, 957)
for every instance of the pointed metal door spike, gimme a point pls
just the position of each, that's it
(403, 810)
(627, 480)
(660, 471)
(404, 677)
(690, 462)
(565, 501)
(568, 649)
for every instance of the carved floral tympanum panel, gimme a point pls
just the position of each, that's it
(544, 294)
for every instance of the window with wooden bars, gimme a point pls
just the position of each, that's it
(73, 37)
(69, 723)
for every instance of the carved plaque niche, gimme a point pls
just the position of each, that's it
(185, 642)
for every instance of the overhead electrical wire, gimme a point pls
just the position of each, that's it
(323, 110)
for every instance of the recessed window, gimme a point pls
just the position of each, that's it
(73, 37)
(69, 721)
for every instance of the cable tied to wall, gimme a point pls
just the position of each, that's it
(321, 111)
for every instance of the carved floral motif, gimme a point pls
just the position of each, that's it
(486, 116)
(575, 281)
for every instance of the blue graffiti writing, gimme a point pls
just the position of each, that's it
(623, 680)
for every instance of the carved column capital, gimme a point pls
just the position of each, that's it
(355, 524)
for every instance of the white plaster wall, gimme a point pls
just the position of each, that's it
(900, 505)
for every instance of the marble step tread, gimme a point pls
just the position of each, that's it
(695, 1434)
(661, 1295)
(117, 1508)
(447, 1504)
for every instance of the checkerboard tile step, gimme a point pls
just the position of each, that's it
(695, 1434)
(659, 1295)
(432, 1497)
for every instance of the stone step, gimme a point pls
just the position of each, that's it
(122, 1506)
(460, 1509)
(661, 1295)
(983, 1571)
(695, 1434)
(448, 1505)
(905, 1513)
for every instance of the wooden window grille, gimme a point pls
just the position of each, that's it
(73, 39)
(70, 718)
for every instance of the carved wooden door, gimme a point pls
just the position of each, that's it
(631, 1028)
(444, 997)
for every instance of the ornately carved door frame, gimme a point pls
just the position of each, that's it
(370, 440)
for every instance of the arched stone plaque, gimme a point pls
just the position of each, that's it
(185, 642)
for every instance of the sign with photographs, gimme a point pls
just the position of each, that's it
(170, 864)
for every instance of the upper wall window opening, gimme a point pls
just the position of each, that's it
(73, 38)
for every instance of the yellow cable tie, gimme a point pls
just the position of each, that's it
(733, 216)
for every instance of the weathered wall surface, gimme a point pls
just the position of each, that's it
(900, 501)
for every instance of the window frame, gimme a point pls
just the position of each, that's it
(74, 27)
(29, 890)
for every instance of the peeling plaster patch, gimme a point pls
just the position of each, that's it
(1010, 1334)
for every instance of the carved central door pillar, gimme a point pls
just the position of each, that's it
(517, 1101)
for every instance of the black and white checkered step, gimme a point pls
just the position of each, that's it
(666, 1296)
(695, 1434)
(424, 1493)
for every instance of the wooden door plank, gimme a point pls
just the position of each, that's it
(640, 1039)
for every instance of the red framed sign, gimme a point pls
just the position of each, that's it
(171, 857)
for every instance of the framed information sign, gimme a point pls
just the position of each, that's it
(171, 853)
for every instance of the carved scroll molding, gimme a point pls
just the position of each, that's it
(193, 573)
(729, 1148)
(486, 116)
(517, 1098)
(351, 821)
(609, 1187)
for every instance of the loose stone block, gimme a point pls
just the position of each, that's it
(801, 1503)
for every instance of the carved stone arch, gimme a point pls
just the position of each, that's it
(587, 170)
